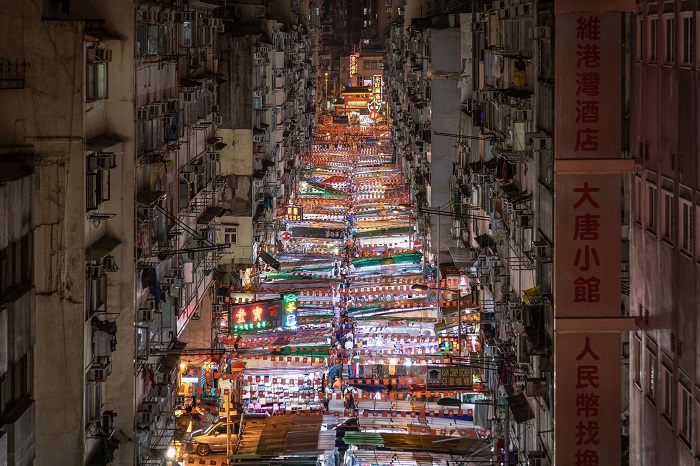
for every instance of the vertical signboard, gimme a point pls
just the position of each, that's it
(587, 105)
(587, 239)
(587, 423)
(587, 232)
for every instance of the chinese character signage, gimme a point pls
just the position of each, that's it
(256, 316)
(587, 237)
(320, 233)
(449, 377)
(588, 85)
(353, 64)
(587, 413)
(293, 213)
(377, 88)
(265, 315)
(289, 310)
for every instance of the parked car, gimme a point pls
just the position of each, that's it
(182, 424)
(213, 438)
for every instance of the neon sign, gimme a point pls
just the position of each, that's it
(353, 64)
(263, 315)
(293, 213)
(289, 305)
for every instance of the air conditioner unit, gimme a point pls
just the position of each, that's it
(537, 458)
(537, 141)
(216, 23)
(524, 114)
(214, 156)
(168, 16)
(188, 16)
(149, 16)
(188, 177)
(539, 249)
(99, 372)
(142, 113)
(107, 424)
(175, 104)
(146, 314)
(103, 55)
(168, 280)
(148, 213)
(156, 109)
(102, 161)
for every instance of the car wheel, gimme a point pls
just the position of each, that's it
(203, 449)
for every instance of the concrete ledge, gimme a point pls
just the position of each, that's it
(594, 324)
(593, 165)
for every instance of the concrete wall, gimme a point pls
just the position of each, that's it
(236, 94)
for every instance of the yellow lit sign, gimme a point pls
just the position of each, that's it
(353, 64)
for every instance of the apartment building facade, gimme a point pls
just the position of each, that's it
(118, 115)
(664, 380)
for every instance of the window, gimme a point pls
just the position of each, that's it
(93, 401)
(687, 38)
(651, 207)
(96, 82)
(650, 382)
(669, 39)
(667, 216)
(96, 292)
(186, 35)
(638, 38)
(637, 208)
(16, 384)
(685, 414)
(686, 226)
(636, 361)
(231, 235)
(97, 184)
(667, 394)
(652, 38)
(16, 264)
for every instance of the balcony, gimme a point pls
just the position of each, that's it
(20, 425)
(20, 333)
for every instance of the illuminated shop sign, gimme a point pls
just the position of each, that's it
(293, 213)
(289, 307)
(353, 64)
(449, 377)
(256, 316)
(263, 315)
(377, 87)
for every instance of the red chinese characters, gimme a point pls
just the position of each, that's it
(587, 427)
(588, 63)
(585, 239)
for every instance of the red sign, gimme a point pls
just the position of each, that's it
(589, 397)
(587, 283)
(588, 76)
(286, 236)
(417, 244)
